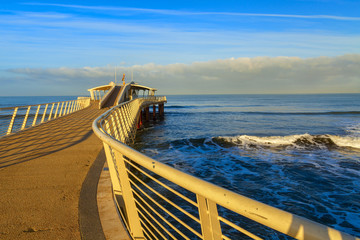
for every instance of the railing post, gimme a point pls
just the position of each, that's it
(119, 125)
(70, 106)
(57, 108)
(115, 128)
(62, 105)
(130, 205)
(64, 112)
(51, 111)
(73, 106)
(112, 169)
(36, 115)
(76, 107)
(130, 122)
(25, 118)
(210, 225)
(44, 114)
(12, 121)
(125, 124)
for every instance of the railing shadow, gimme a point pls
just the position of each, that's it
(47, 138)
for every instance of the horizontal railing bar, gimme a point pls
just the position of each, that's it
(163, 185)
(244, 231)
(145, 233)
(147, 230)
(7, 108)
(164, 198)
(150, 223)
(167, 211)
(225, 237)
(159, 215)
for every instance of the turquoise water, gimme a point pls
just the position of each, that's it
(300, 153)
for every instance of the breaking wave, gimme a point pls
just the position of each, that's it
(306, 113)
(305, 141)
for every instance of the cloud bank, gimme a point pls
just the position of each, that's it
(223, 76)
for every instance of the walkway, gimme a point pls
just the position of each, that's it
(113, 97)
(41, 173)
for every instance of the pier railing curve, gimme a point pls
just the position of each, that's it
(157, 201)
(14, 119)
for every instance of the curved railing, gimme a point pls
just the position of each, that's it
(14, 119)
(156, 201)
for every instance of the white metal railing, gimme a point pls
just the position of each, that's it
(156, 201)
(14, 119)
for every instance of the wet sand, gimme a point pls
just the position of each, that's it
(41, 173)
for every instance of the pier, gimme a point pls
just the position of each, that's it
(41, 174)
(56, 176)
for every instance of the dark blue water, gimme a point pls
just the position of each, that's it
(32, 100)
(300, 153)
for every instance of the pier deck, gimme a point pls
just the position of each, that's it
(41, 174)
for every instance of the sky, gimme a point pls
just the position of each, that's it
(180, 47)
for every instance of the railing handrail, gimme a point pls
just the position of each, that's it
(8, 108)
(282, 221)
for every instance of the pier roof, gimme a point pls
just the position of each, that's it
(103, 87)
(142, 87)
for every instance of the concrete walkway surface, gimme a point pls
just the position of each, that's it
(41, 174)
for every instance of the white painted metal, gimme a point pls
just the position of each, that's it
(25, 118)
(44, 114)
(69, 108)
(12, 121)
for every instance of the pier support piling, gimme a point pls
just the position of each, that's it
(154, 112)
(147, 113)
(161, 110)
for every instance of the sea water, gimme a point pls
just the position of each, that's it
(299, 153)
(32, 100)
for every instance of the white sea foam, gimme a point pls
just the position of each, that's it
(297, 141)
(353, 142)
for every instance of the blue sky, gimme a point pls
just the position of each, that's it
(49, 36)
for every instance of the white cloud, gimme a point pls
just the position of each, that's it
(235, 75)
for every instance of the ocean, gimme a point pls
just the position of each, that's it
(32, 100)
(299, 153)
